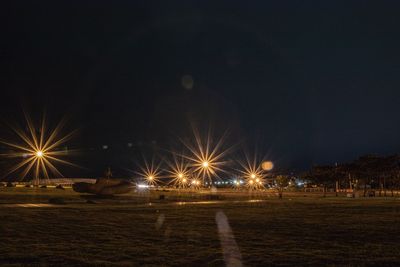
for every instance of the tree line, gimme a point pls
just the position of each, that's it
(367, 175)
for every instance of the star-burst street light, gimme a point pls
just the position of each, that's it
(150, 172)
(206, 156)
(254, 180)
(195, 182)
(253, 173)
(178, 170)
(39, 150)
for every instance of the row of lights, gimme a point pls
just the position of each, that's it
(40, 151)
(253, 181)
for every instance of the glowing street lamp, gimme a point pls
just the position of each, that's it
(150, 172)
(39, 153)
(39, 150)
(236, 183)
(151, 177)
(252, 172)
(178, 172)
(195, 181)
(206, 155)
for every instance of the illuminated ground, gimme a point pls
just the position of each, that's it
(127, 231)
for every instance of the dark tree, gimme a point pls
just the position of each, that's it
(282, 181)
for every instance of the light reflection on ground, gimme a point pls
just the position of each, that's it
(180, 203)
(28, 205)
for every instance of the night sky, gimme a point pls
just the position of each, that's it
(312, 81)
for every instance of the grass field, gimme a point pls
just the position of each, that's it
(295, 231)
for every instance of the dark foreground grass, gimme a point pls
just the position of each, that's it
(297, 232)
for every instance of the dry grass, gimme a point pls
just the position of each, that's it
(301, 231)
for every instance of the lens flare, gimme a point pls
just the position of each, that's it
(39, 149)
(267, 165)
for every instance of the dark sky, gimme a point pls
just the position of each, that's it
(315, 81)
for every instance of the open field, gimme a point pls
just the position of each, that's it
(128, 231)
